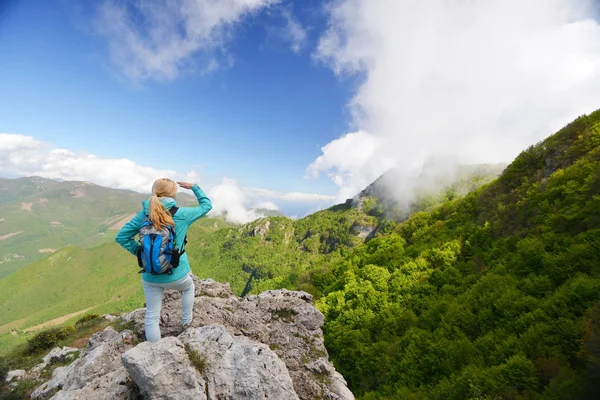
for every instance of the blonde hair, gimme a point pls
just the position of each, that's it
(158, 214)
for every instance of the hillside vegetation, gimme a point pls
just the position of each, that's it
(493, 296)
(39, 216)
(277, 252)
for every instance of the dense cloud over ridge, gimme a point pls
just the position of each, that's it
(462, 81)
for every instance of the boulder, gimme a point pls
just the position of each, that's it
(237, 367)
(15, 375)
(58, 355)
(110, 317)
(163, 370)
(114, 385)
(101, 357)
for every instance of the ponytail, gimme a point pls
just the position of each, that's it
(158, 215)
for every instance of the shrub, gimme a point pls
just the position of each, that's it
(47, 339)
(88, 319)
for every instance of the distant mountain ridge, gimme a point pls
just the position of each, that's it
(398, 195)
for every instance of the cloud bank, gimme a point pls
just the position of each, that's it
(470, 81)
(159, 39)
(22, 155)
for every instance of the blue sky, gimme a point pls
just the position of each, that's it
(287, 104)
(240, 121)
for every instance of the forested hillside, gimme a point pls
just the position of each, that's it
(278, 252)
(493, 296)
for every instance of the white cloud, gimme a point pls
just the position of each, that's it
(294, 32)
(351, 162)
(22, 155)
(158, 39)
(257, 193)
(229, 199)
(476, 81)
(266, 205)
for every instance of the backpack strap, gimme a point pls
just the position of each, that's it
(172, 211)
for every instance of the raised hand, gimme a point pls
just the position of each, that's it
(185, 185)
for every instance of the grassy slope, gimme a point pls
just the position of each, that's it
(56, 214)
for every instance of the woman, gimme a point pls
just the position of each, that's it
(156, 210)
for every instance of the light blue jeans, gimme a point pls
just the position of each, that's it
(154, 294)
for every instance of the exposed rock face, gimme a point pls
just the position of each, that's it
(237, 367)
(286, 321)
(57, 354)
(99, 371)
(162, 370)
(258, 347)
(15, 375)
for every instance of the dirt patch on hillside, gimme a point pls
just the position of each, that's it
(47, 250)
(4, 237)
(11, 326)
(26, 206)
(2, 220)
(55, 223)
(78, 192)
(43, 200)
(120, 223)
(56, 321)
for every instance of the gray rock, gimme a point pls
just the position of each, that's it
(15, 375)
(286, 321)
(265, 346)
(162, 370)
(211, 288)
(237, 367)
(109, 317)
(59, 377)
(57, 354)
(129, 337)
(115, 385)
(101, 357)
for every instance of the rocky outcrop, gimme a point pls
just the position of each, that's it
(163, 370)
(98, 371)
(261, 346)
(13, 377)
(284, 320)
(237, 367)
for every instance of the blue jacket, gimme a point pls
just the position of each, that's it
(183, 218)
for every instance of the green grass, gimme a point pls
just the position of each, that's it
(197, 359)
(60, 214)
(103, 278)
